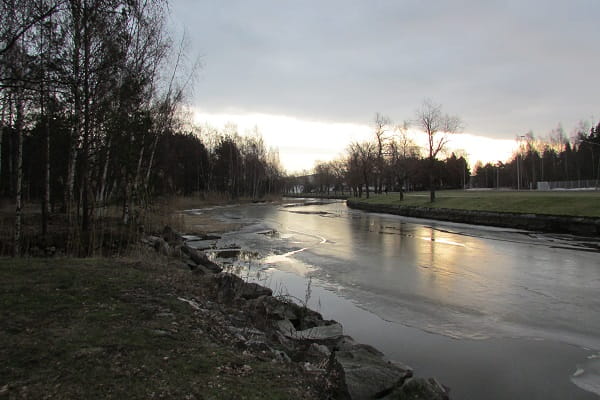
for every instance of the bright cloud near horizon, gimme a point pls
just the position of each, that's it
(301, 143)
(311, 75)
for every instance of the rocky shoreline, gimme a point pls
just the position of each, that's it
(291, 333)
(581, 226)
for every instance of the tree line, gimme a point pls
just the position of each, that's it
(557, 158)
(392, 161)
(203, 160)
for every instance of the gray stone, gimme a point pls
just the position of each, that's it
(230, 287)
(170, 235)
(419, 389)
(346, 343)
(201, 259)
(162, 247)
(323, 332)
(258, 345)
(319, 349)
(281, 356)
(272, 308)
(369, 375)
(251, 290)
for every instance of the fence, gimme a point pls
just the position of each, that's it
(579, 184)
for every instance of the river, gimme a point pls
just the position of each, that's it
(492, 313)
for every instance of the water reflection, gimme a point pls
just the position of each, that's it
(453, 281)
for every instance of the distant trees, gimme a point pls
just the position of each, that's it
(392, 161)
(556, 158)
(208, 161)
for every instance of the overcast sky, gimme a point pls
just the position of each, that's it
(505, 67)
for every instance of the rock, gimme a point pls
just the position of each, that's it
(346, 343)
(160, 245)
(200, 259)
(319, 350)
(199, 269)
(286, 327)
(308, 367)
(418, 389)
(271, 308)
(231, 287)
(316, 333)
(368, 375)
(175, 251)
(209, 236)
(227, 253)
(281, 356)
(250, 291)
(246, 334)
(192, 303)
(257, 345)
(274, 308)
(171, 236)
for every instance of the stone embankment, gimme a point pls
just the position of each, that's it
(581, 226)
(290, 332)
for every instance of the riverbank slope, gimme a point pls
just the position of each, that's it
(570, 213)
(129, 327)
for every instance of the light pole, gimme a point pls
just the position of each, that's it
(598, 173)
(498, 175)
(519, 138)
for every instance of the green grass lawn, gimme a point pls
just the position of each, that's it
(584, 204)
(106, 328)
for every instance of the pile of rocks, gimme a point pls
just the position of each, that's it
(288, 332)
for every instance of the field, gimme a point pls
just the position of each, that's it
(568, 203)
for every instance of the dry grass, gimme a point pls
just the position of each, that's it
(114, 328)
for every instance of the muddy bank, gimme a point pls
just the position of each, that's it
(580, 226)
(293, 333)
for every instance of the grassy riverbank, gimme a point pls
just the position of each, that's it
(580, 204)
(115, 328)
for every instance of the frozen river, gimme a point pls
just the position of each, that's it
(492, 313)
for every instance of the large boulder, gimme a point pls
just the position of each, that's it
(323, 332)
(250, 290)
(271, 308)
(367, 374)
(418, 389)
(201, 259)
(274, 308)
(230, 287)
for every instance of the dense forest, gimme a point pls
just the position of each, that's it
(92, 114)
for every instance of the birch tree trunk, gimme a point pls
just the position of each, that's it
(2, 125)
(75, 7)
(19, 160)
(102, 192)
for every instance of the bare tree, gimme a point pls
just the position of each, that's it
(365, 154)
(381, 126)
(400, 148)
(437, 126)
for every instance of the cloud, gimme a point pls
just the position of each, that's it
(301, 143)
(504, 66)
